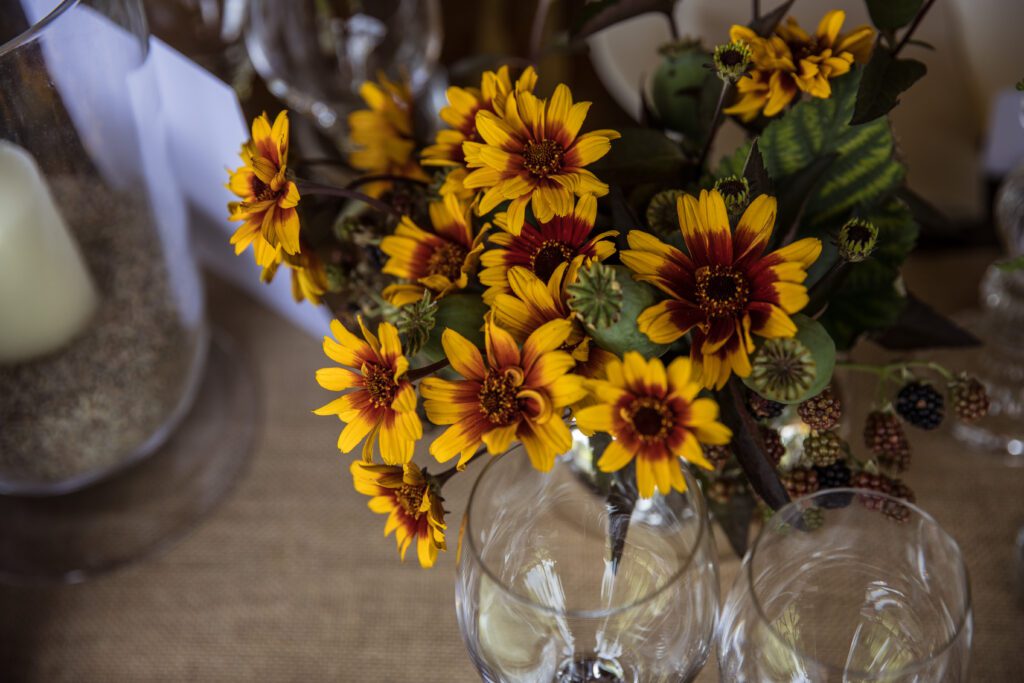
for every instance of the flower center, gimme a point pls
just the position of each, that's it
(731, 57)
(651, 418)
(410, 497)
(498, 397)
(804, 50)
(550, 255)
(380, 384)
(721, 291)
(731, 187)
(447, 260)
(543, 158)
(262, 191)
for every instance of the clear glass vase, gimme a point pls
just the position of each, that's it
(102, 332)
(540, 599)
(848, 585)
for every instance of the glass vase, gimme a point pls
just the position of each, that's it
(848, 585)
(540, 598)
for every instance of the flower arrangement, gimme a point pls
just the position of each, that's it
(527, 273)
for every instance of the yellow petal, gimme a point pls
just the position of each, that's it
(463, 355)
(337, 379)
(614, 458)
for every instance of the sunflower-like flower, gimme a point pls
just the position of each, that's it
(533, 153)
(380, 405)
(440, 260)
(655, 417)
(463, 105)
(382, 135)
(413, 507)
(791, 61)
(533, 303)
(726, 288)
(515, 394)
(541, 248)
(268, 198)
(309, 278)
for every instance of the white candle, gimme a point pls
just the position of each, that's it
(46, 293)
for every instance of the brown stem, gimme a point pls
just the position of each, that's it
(716, 121)
(309, 187)
(419, 373)
(540, 20)
(443, 477)
(913, 27)
(757, 9)
(384, 177)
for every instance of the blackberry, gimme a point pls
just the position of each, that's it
(894, 510)
(823, 448)
(970, 401)
(773, 447)
(814, 518)
(800, 481)
(835, 476)
(762, 408)
(821, 412)
(871, 482)
(717, 455)
(722, 490)
(920, 405)
(884, 435)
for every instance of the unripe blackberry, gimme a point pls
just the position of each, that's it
(823, 448)
(970, 400)
(814, 518)
(773, 446)
(920, 405)
(800, 481)
(722, 489)
(897, 511)
(884, 435)
(763, 408)
(871, 482)
(717, 455)
(821, 412)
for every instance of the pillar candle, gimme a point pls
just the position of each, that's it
(46, 293)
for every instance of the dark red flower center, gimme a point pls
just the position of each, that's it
(447, 260)
(651, 418)
(380, 384)
(721, 291)
(262, 191)
(498, 398)
(550, 255)
(805, 50)
(543, 158)
(410, 497)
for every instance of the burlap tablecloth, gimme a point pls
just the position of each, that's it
(291, 580)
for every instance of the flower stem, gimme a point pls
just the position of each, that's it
(823, 288)
(309, 187)
(757, 9)
(419, 373)
(887, 371)
(443, 477)
(716, 121)
(913, 27)
(384, 177)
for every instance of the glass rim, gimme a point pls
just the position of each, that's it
(786, 512)
(36, 29)
(703, 529)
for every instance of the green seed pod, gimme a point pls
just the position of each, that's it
(793, 370)
(623, 335)
(662, 216)
(677, 88)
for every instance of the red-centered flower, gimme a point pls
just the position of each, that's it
(726, 288)
(541, 248)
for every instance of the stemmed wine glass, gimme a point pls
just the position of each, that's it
(539, 598)
(848, 585)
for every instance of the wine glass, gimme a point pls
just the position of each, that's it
(848, 585)
(539, 598)
(314, 54)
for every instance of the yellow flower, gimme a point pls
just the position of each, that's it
(534, 153)
(533, 303)
(726, 287)
(541, 248)
(382, 135)
(268, 198)
(381, 402)
(440, 260)
(413, 508)
(460, 113)
(654, 416)
(516, 394)
(791, 61)
(454, 184)
(309, 279)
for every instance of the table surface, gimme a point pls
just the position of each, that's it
(291, 579)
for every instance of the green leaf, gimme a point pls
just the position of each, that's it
(863, 170)
(885, 78)
(733, 164)
(599, 15)
(641, 155)
(766, 23)
(892, 14)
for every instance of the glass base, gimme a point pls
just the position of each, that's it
(147, 506)
(1000, 367)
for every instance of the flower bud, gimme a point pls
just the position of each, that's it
(735, 190)
(661, 212)
(732, 61)
(857, 240)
